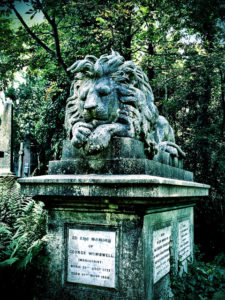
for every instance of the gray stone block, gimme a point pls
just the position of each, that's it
(117, 166)
(6, 140)
(123, 156)
(139, 209)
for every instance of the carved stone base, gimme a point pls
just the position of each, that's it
(124, 156)
(114, 237)
(117, 166)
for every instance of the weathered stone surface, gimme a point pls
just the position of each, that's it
(132, 206)
(118, 148)
(119, 158)
(20, 161)
(129, 275)
(113, 98)
(160, 221)
(117, 166)
(134, 255)
(6, 162)
(124, 191)
(29, 158)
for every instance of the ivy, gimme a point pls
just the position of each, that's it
(203, 281)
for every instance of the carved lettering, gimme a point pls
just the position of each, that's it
(184, 243)
(92, 252)
(161, 253)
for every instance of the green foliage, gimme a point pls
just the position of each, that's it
(220, 259)
(22, 241)
(202, 282)
(22, 226)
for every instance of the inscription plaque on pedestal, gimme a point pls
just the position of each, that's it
(91, 257)
(161, 253)
(184, 245)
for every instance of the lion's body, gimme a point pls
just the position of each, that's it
(110, 97)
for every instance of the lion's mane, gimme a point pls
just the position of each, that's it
(135, 95)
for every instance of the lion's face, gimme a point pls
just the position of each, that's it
(109, 97)
(98, 101)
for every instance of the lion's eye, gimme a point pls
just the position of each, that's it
(104, 91)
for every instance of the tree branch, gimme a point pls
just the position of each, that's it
(32, 34)
(57, 45)
(55, 55)
(55, 35)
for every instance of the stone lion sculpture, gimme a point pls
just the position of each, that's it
(111, 97)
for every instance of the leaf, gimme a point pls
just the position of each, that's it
(23, 263)
(144, 9)
(9, 262)
(100, 20)
(32, 16)
(30, 11)
(4, 229)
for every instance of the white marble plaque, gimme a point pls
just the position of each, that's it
(161, 253)
(184, 243)
(91, 257)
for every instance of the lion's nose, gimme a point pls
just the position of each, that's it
(90, 103)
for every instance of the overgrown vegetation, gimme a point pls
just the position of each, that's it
(22, 237)
(202, 282)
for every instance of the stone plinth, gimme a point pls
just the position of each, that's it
(123, 156)
(114, 236)
(6, 140)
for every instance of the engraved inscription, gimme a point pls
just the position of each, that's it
(184, 244)
(161, 253)
(91, 257)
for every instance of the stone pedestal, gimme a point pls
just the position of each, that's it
(123, 156)
(114, 236)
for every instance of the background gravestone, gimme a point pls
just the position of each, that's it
(27, 162)
(6, 141)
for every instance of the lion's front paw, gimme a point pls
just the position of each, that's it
(168, 148)
(81, 132)
(98, 140)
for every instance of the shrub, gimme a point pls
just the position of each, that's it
(202, 282)
(22, 238)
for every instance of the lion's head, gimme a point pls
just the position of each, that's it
(113, 96)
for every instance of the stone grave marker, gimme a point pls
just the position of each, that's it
(120, 205)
